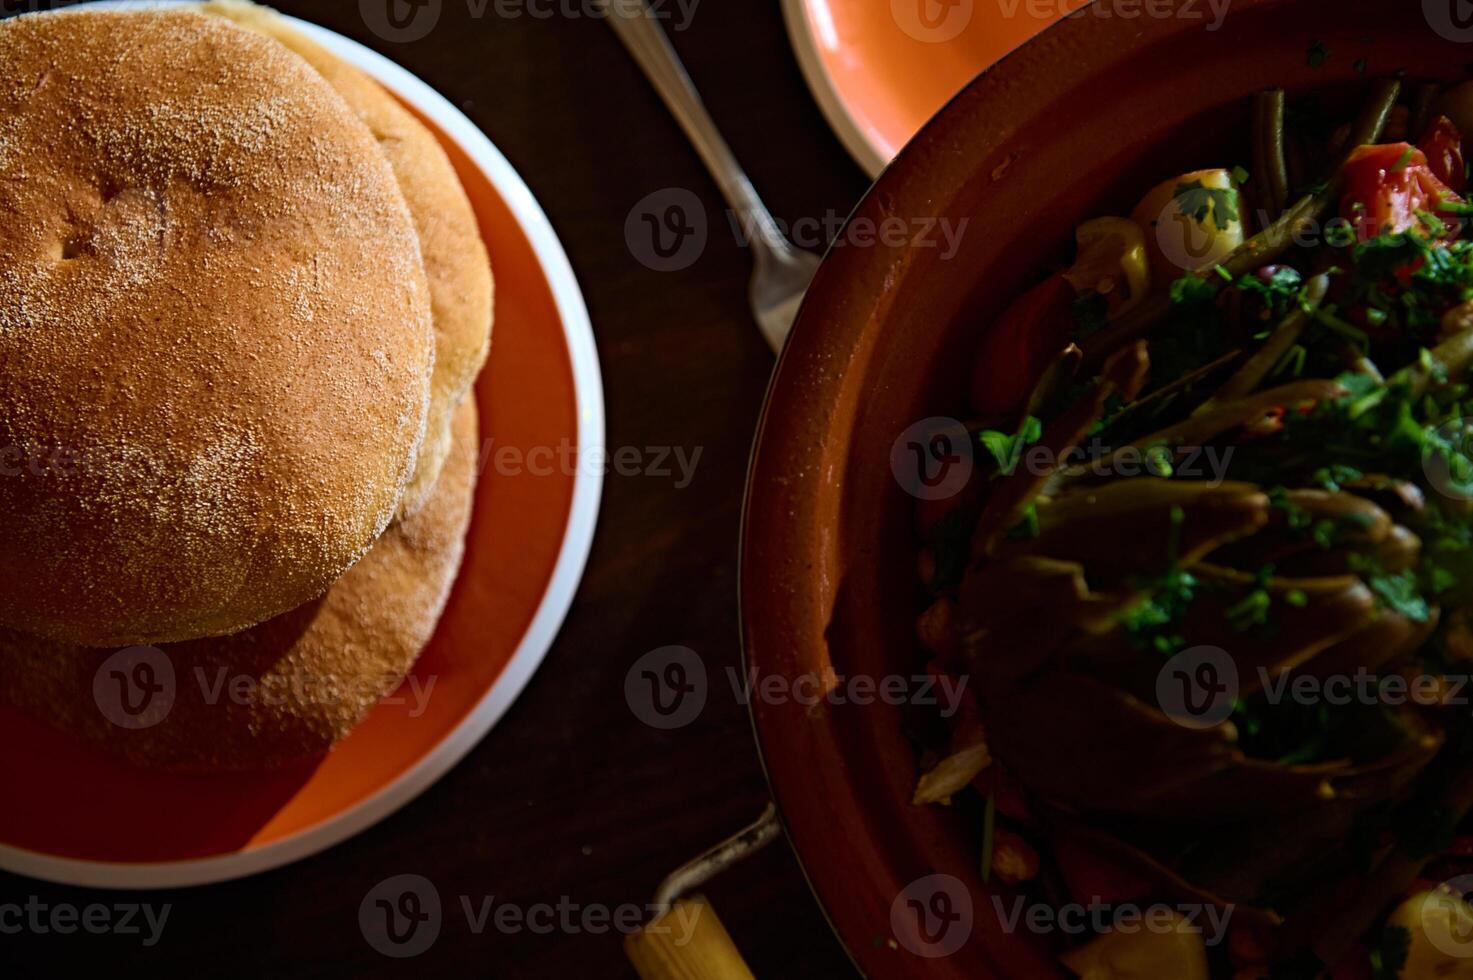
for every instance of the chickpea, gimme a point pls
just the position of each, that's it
(1013, 859)
(936, 628)
(1456, 320)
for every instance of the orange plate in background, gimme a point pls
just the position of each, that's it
(78, 817)
(881, 68)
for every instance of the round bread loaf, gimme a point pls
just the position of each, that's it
(287, 689)
(215, 330)
(450, 241)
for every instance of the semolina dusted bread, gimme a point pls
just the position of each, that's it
(450, 242)
(215, 329)
(285, 690)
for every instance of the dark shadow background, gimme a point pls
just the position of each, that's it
(572, 796)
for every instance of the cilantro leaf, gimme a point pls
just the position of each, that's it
(1389, 955)
(1007, 448)
(1400, 593)
(1192, 291)
(1218, 203)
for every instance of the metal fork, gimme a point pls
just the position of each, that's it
(782, 272)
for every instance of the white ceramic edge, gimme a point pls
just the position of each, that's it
(572, 558)
(870, 156)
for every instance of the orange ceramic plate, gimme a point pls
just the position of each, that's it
(78, 818)
(881, 68)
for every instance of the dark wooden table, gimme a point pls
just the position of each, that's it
(572, 799)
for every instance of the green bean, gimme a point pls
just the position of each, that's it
(1055, 380)
(1276, 239)
(1124, 373)
(1271, 171)
(1264, 247)
(1357, 362)
(1449, 359)
(1420, 117)
(1285, 336)
(1198, 429)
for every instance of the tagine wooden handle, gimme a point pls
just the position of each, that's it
(688, 942)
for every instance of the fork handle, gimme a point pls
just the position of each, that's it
(636, 26)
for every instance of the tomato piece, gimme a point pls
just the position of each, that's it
(1443, 146)
(1386, 185)
(1020, 346)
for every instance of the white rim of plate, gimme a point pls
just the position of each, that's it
(572, 557)
(870, 155)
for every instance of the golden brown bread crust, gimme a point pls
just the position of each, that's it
(215, 333)
(450, 242)
(310, 676)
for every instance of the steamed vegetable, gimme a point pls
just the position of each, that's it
(1193, 222)
(1252, 453)
(1112, 263)
(1387, 189)
(1443, 147)
(1171, 949)
(1438, 926)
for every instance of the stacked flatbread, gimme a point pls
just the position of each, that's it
(242, 305)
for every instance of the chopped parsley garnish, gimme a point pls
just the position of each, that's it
(1250, 611)
(1192, 291)
(1334, 476)
(1389, 955)
(1400, 592)
(1154, 623)
(1007, 448)
(1201, 202)
(1405, 282)
(1317, 55)
(1461, 208)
